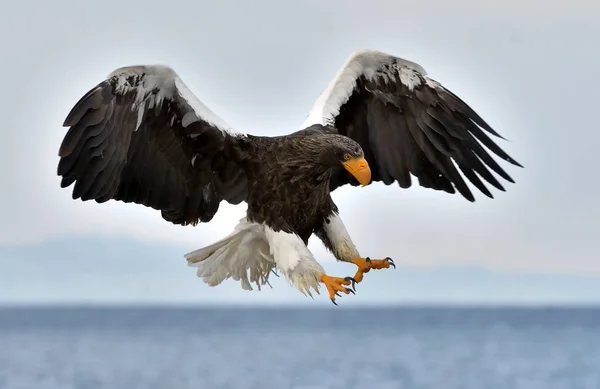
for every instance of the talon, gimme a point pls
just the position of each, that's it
(335, 286)
(391, 261)
(353, 281)
(366, 264)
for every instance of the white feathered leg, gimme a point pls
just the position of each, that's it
(258, 249)
(298, 265)
(294, 260)
(336, 238)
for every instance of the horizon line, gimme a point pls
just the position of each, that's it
(300, 306)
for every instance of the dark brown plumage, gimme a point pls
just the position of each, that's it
(186, 171)
(141, 136)
(419, 132)
(183, 171)
(289, 178)
(183, 165)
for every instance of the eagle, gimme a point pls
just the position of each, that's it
(141, 136)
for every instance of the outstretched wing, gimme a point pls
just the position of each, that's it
(141, 136)
(408, 124)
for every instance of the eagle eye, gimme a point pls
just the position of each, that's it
(347, 156)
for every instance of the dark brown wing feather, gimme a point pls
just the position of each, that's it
(167, 163)
(427, 132)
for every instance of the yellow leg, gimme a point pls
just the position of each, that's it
(335, 285)
(366, 264)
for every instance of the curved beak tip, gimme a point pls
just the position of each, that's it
(359, 168)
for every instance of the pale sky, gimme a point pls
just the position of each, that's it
(529, 68)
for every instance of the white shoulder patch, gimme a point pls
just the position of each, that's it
(155, 83)
(367, 63)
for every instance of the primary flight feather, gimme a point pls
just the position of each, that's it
(142, 136)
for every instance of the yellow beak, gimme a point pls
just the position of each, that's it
(359, 168)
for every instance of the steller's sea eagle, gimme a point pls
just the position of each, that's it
(142, 136)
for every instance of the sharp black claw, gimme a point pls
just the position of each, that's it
(368, 259)
(333, 301)
(350, 291)
(353, 281)
(337, 294)
(391, 261)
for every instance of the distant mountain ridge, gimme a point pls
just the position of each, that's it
(114, 270)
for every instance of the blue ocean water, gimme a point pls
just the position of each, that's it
(245, 348)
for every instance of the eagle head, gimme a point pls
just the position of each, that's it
(350, 155)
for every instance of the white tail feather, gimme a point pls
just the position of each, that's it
(245, 250)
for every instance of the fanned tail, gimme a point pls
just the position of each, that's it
(243, 255)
